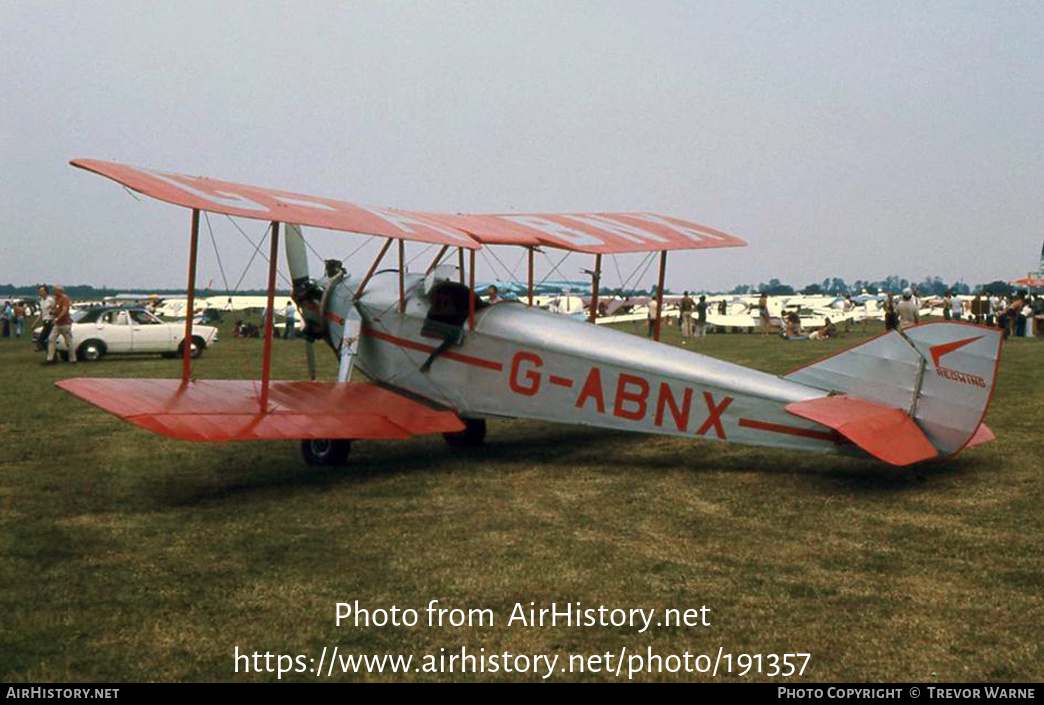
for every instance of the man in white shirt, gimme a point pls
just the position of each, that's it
(996, 306)
(45, 316)
(289, 312)
(651, 317)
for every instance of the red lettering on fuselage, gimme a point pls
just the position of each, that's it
(531, 384)
(665, 398)
(714, 419)
(631, 401)
(637, 398)
(592, 389)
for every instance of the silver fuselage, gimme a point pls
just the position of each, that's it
(523, 362)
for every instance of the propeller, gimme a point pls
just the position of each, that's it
(297, 260)
(315, 299)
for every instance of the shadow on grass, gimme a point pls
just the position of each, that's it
(524, 445)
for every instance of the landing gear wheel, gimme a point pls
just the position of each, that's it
(473, 435)
(326, 451)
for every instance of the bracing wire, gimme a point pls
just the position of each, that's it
(257, 250)
(357, 249)
(554, 267)
(510, 273)
(217, 254)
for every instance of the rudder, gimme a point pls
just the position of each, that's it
(941, 374)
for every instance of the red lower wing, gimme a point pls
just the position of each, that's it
(228, 410)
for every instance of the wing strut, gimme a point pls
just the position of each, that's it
(531, 275)
(596, 276)
(659, 294)
(186, 344)
(402, 276)
(438, 258)
(373, 268)
(471, 293)
(266, 366)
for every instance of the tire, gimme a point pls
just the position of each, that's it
(90, 351)
(473, 435)
(326, 452)
(198, 346)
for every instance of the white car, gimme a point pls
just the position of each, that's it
(108, 330)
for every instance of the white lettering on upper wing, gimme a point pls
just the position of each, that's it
(225, 199)
(557, 230)
(620, 230)
(406, 223)
(307, 204)
(694, 235)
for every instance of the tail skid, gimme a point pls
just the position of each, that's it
(940, 376)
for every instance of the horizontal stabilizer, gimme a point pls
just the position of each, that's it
(885, 432)
(983, 434)
(940, 373)
(228, 410)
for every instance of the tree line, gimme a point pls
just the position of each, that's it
(86, 292)
(835, 286)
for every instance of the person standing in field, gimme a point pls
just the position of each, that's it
(891, 318)
(1016, 316)
(19, 317)
(956, 307)
(976, 309)
(907, 310)
(848, 307)
(44, 315)
(686, 307)
(701, 317)
(62, 326)
(651, 316)
(763, 313)
(288, 332)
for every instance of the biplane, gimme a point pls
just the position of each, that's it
(442, 360)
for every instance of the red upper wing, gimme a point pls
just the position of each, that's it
(271, 204)
(582, 232)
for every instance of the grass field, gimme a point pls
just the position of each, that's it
(125, 556)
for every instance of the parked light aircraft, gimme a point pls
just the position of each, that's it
(443, 361)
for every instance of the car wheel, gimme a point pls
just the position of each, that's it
(473, 435)
(326, 451)
(198, 345)
(91, 351)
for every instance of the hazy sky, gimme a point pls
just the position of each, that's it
(857, 139)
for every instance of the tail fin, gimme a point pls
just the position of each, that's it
(940, 374)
